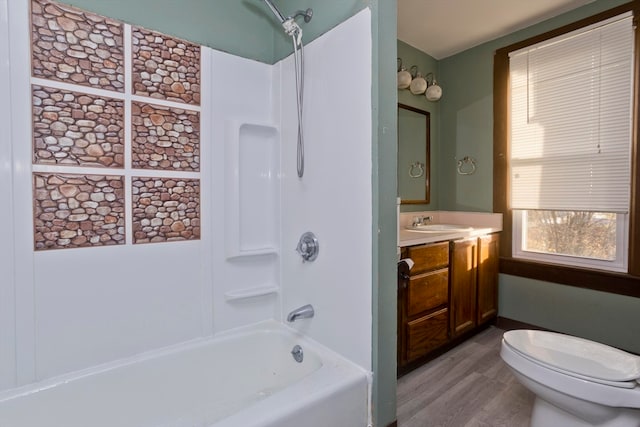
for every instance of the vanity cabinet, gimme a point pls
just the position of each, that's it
(423, 302)
(451, 290)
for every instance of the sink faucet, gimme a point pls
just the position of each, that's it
(421, 220)
(304, 312)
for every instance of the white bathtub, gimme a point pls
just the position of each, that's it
(247, 378)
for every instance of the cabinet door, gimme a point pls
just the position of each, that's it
(488, 258)
(462, 302)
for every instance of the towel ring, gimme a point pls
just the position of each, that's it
(463, 169)
(416, 170)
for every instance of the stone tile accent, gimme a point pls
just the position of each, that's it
(72, 211)
(165, 209)
(164, 138)
(74, 46)
(71, 128)
(165, 67)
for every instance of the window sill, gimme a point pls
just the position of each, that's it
(616, 283)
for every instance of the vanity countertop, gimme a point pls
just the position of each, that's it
(481, 223)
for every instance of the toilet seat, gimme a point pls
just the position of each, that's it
(576, 357)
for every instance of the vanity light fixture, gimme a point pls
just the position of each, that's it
(417, 84)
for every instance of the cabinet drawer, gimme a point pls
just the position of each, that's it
(427, 291)
(429, 257)
(426, 334)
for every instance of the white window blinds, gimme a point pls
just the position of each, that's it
(570, 112)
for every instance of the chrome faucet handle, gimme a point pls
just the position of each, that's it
(308, 247)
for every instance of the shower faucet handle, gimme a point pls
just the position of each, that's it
(308, 247)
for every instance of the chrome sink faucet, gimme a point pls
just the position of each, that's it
(304, 312)
(421, 220)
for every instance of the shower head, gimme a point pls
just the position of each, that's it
(275, 11)
(307, 14)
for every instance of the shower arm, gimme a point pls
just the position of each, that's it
(275, 11)
(306, 14)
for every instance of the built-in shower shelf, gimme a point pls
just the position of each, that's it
(253, 253)
(252, 188)
(256, 291)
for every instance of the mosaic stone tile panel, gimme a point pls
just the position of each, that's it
(164, 138)
(78, 47)
(165, 67)
(165, 209)
(76, 129)
(72, 211)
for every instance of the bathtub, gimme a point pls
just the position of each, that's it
(244, 378)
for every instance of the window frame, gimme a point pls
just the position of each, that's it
(607, 281)
(619, 264)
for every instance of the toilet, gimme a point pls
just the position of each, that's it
(577, 382)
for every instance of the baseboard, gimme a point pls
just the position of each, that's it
(393, 424)
(509, 324)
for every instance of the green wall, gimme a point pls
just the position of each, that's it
(426, 64)
(466, 128)
(609, 318)
(385, 230)
(326, 15)
(242, 27)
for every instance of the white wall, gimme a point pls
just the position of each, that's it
(333, 199)
(241, 93)
(69, 309)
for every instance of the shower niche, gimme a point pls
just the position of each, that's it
(252, 189)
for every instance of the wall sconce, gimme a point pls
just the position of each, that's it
(404, 77)
(434, 91)
(417, 84)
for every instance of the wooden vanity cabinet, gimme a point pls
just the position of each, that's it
(423, 302)
(451, 290)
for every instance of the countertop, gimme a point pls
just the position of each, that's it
(410, 238)
(481, 223)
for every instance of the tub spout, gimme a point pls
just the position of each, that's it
(304, 312)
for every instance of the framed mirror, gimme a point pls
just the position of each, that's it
(414, 130)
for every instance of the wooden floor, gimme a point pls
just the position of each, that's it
(470, 386)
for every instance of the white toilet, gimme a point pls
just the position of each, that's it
(577, 382)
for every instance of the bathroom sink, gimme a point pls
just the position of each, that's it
(439, 228)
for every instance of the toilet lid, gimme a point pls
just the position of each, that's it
(576, 355)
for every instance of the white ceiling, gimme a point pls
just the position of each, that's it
(443, 28)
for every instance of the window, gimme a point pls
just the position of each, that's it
(570, 132)
(565, 154)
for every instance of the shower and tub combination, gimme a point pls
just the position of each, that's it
(219, 331)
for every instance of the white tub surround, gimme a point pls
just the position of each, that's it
(246, 377)
(85, 310)
(480, 223)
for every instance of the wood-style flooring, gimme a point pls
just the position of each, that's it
(470, 386)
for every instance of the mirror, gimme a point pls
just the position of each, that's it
(413, 155)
